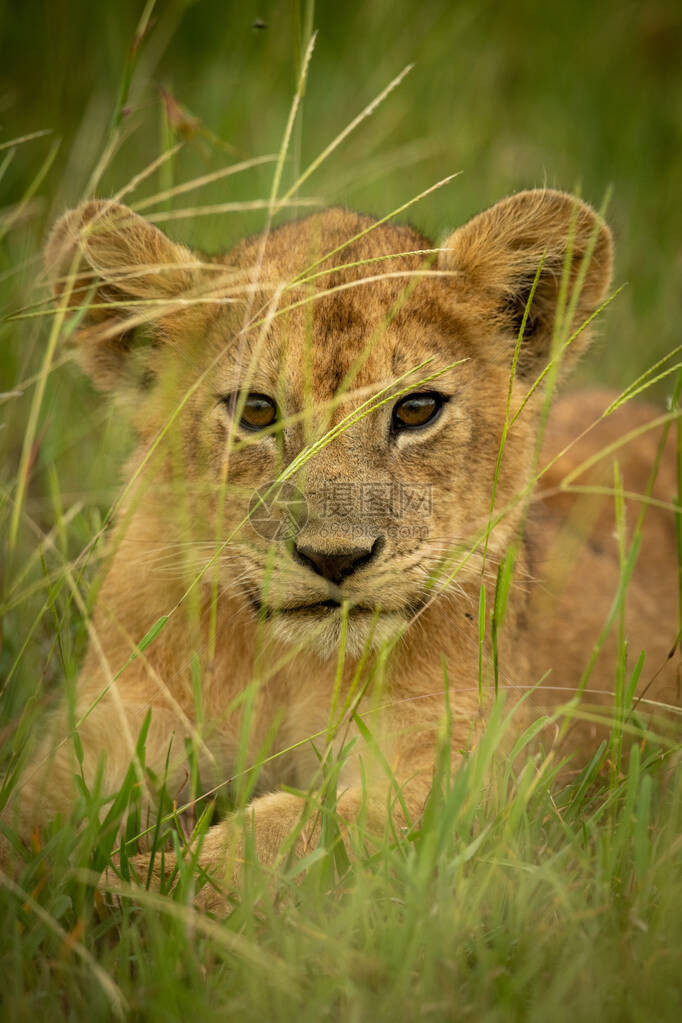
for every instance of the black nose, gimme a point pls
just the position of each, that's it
(337, 565)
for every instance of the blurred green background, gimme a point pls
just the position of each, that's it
(584, 95)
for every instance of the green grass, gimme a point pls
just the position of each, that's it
(515, 898)
(519, 895)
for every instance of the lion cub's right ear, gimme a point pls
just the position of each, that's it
(124, 278)
(497, 255)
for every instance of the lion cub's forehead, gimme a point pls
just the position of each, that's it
(349, 298)
(327, 241)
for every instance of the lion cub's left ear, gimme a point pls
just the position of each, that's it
(496, 257)
(124, 278)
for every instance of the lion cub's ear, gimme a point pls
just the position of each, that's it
(123, 276)
(496, 257)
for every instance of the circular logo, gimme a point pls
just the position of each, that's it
(278, 511)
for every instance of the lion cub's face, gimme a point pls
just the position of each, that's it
(331, 399)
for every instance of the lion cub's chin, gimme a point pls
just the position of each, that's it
(320, 632)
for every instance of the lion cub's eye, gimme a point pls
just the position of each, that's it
(257, 413)
(417, 410)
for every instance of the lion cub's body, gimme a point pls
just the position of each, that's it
(259, 645)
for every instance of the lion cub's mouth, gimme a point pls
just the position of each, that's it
(330, 607)
(316, 608)
(319, 624)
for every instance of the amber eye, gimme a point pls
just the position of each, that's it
(417, 410)
(258, 411)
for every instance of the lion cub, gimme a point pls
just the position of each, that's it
(337, 433)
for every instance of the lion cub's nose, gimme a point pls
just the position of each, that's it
(337, 565)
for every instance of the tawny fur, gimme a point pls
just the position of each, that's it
(321, 334)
